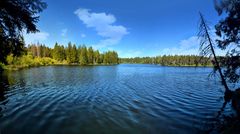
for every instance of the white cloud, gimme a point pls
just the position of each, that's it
(83, 35)
(186, 47)
(189, 46)
(35, 37)
(104, 25)
(190, 43)
(64, 32)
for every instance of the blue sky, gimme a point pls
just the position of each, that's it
(131, 27)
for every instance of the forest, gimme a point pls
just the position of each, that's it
(74, 55)
(39, 54)
(170, 60)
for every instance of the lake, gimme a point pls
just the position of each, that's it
(126, 98)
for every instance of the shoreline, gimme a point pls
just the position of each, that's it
(171, 65)
(20, 67)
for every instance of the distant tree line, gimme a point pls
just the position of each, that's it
(170, 60)
(74, 55)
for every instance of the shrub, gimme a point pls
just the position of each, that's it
(28, 60)
(1, 66)
(10, 59)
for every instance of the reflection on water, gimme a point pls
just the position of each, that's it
(109, 99)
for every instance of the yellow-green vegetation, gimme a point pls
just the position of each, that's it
(2, 66)
(24, 61)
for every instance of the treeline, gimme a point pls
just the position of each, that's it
(74, 55)
(170, 60)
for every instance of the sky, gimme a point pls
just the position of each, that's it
(130, 27)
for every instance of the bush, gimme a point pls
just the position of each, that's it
(1, 66)
(28, 60)
(10, 59)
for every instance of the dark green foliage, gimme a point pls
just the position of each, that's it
(83, 58)
(110, 57)
(58, 52)
(176, 60)
(97, 58)
(228, 30)
(229, 27)
(90, 55)
(101, 58)
(62, 53)
(69, 53)
(15, 16)
(74, 54)
(232, 65)
(39, 50)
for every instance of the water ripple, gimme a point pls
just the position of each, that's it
(119, 99)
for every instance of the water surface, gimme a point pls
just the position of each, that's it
(108, 99)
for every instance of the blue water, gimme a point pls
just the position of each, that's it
(109, 99)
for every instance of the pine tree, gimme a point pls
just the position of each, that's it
(56, 52)
(16, 16)
(74, 54)
(62, 53)
(96, 57)
(83, 58)
(69, 53)
(90, 55)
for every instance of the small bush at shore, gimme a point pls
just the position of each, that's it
(24, 61)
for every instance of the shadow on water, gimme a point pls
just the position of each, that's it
(4, 83)
(228, 123)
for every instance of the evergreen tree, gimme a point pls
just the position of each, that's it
(62, 52)
(74, 54)
(57, 52)
(106, 58)
(228, 29)
(97, 57)
(83, 58)
(90, 55)
(33, 49)
(81, 55)
(170, 60)
(69, 53)
(15, 16)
